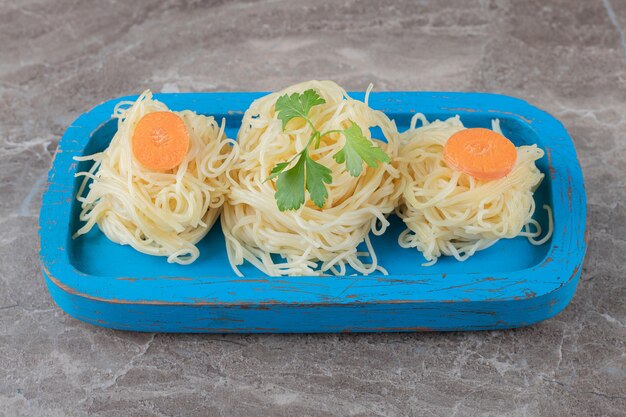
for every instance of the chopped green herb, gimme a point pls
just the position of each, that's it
(359, 149)
(306, 173)
(297, 105)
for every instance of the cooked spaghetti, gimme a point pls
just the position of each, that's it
(448, 212)
(310, 240)
(162, 213)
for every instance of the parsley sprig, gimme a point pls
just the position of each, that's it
(306, 173)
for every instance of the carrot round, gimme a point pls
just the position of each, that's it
(481, 153)
(160, 141)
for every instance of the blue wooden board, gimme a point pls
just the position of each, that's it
(511, 284)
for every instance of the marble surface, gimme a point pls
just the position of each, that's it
(60, 58)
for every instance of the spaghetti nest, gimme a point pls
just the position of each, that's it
(310, 240)
(451, 213)
(157, 213)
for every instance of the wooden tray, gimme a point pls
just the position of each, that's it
(509, 285)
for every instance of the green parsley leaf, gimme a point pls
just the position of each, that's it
(297, 105)
(278, 168)
(290, 186)
(359, 149)
(316, 175)
(305, 174)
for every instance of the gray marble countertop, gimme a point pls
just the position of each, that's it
(60, 58)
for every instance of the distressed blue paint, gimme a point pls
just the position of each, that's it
(511, 284)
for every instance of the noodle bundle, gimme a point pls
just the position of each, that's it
(310, 240)
(448, 212)
(157, 213)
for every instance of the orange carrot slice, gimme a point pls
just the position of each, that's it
(481, 153)
(160, 141)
